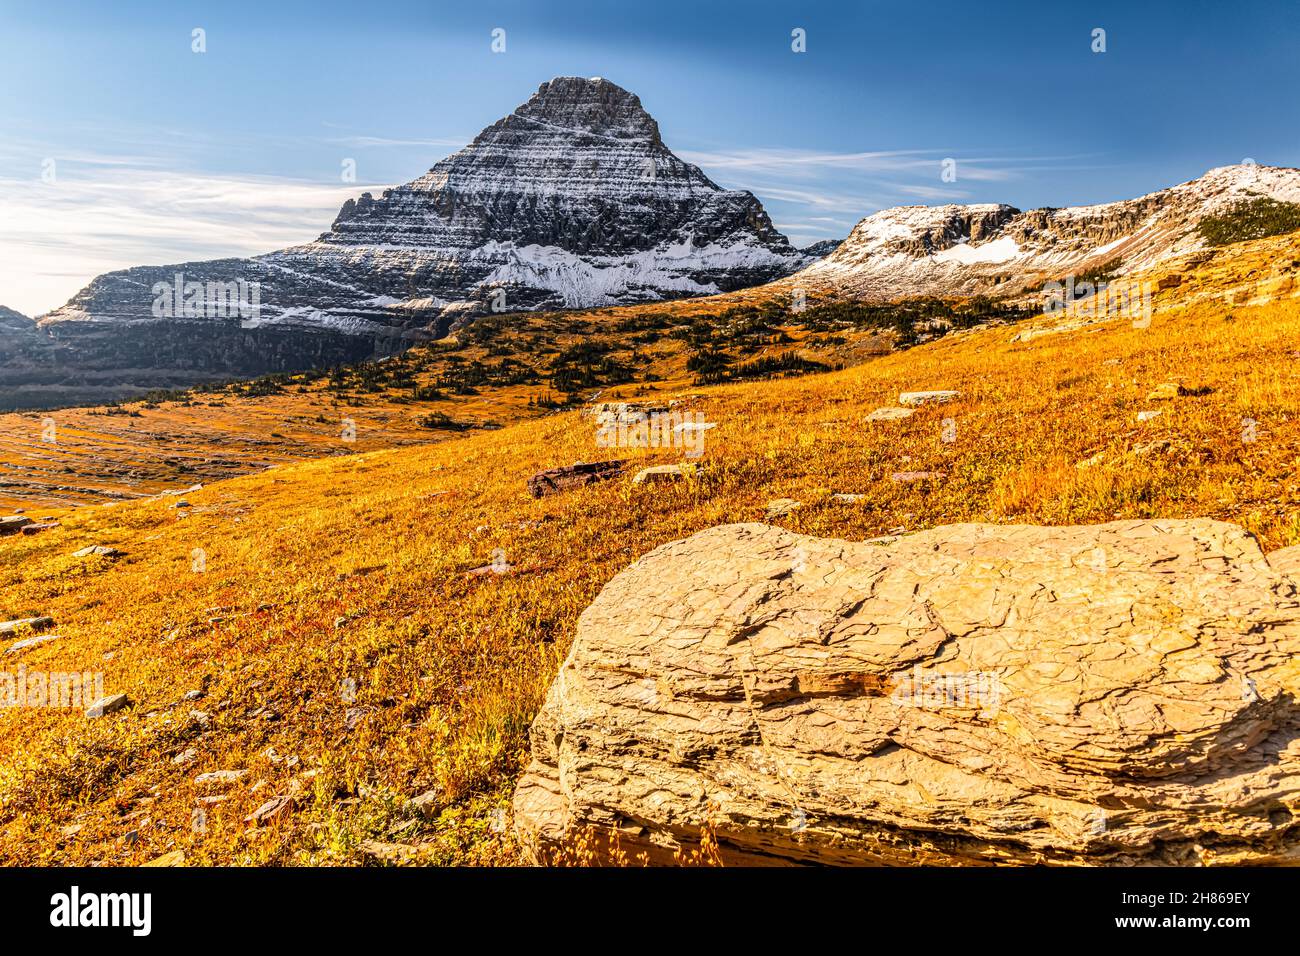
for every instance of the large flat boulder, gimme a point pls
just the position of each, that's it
(974, 694)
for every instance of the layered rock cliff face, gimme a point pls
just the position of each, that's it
(974, 694)
(997, 249)
(573, 200)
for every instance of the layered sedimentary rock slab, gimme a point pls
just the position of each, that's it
(974, 694)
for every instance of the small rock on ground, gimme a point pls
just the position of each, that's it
(97, 550)
(889, 414)
(910, 476)
(108, 705)
(659, 473)
(219, 778)
(30, 642)
(782, 507)
(273, 809)
(25, 623)
(937, 397)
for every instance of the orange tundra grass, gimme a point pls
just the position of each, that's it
(349, 662)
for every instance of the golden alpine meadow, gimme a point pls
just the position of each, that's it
(336, 661)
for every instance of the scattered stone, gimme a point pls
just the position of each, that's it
(179, 504)
(693, 427)
(29, 642)
(189, 490)
(196, 694)
(1116, 695)
(219, 778)
(1146, 416)
(426, 804)
(1163, 393)
(13, 524)
(623, 412)
(1092, 462)
(97, 550)
(658, 473)
(108, 705)
(937, 397)
(186, 756)
(24, 624)
(890, 414)
(782, 507)
(38, 528)
(489, 569)
(555, 480)
(848, 499)
(274, 809)
(174, 858)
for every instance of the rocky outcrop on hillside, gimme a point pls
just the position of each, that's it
(975, 694)
(970, 250)
(572, 200)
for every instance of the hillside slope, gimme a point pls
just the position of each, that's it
(176, 439)
(322, 627)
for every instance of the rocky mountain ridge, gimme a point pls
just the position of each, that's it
(986, 249)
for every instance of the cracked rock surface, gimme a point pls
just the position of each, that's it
(974, 694)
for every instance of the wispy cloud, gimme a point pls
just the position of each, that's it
(785, 161)
(58, 236)
(800, 185)
(366, 142)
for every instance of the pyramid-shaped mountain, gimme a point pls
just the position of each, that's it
(572, 200)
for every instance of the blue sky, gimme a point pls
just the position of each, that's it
(161, 154)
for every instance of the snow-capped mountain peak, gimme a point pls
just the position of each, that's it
(571, 200)
(956, 250)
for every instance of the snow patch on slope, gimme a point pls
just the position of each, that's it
(999, 250)
(607, 280)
